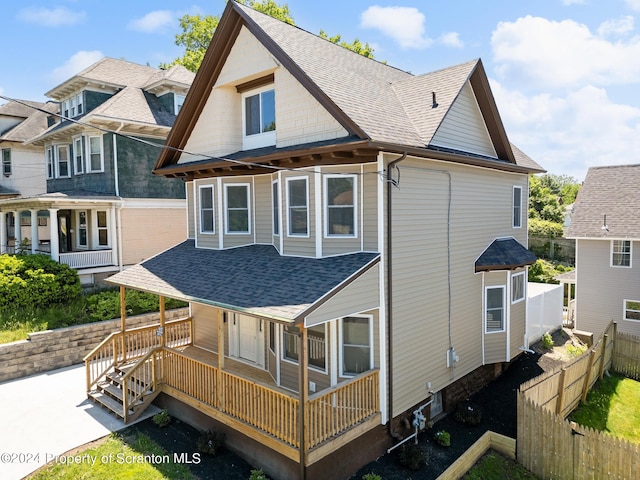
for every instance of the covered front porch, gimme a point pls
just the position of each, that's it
(76, 231)
(130, 368)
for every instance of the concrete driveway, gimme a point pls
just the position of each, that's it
(46, 415)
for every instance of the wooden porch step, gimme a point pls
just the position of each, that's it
(117, 392)
(108, 402)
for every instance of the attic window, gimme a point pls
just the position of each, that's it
(259, 118)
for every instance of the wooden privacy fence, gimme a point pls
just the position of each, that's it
(552, 447)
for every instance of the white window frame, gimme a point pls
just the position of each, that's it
(50, 161)
(212, 208)
(354, 178)
(276, 210)
(90, 153)
(625, 309)
(516, 210)
(178, 101)
(59, 160)
(261, 139)
(80, 104)
(514, 291)
(504, 309)
(247, 187)
(98, 229)
(65, 108)
(7, 168)
(78, 167)
(283, 353)
(341, 344)
(619, 252)
(289, 206)
(326, 349)
(80, 227)
(72, 102)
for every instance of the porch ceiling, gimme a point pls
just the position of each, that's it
(254, 279)
(59, 200)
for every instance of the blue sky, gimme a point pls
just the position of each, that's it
(565, 73)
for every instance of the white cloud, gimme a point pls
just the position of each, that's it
(633, 4)
(559, 54)
(47, 17)
(405, 25)
(158, 20)
(616, 28)
(568, 134)
(451, 39)
(78, 62)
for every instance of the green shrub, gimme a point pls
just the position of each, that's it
(162, 418)
(545, 228)
(412, 456)
(547, 341)
(209, 442)
(28, 280)
(257, 475)
(106, 304)
(443, 438)
(371, 476)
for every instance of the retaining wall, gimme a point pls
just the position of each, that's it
(62, 347)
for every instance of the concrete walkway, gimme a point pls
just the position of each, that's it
(46, 415)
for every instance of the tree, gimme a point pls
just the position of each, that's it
(198, 30)
(548, 194)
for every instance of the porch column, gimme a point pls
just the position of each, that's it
(220, 339)
(53, 234)
(34, 231)
(3, 232)
(113, 237)
(123, 320)
(163, 341)
(17, 231)
(303, 388)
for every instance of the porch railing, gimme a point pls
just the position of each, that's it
(133, 344)
(87, 259)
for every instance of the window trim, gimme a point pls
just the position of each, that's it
(226, 208)
(58, 160)
(213, 210)
(178, 101)
(288, 204)
(76, 170)
(518, 207)
(79, 227)
(6, 172)
(612, 252)
(342, 373)
(261, 139)
(276, 208)
(326, 350)
(283, 349)
(354, 206)
(625, 310)
(504, 309)
(524, 286)
(98, 229)
(89, 168)
(50, 161)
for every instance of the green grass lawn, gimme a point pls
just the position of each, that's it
(612, 406)
(495, 466)
(135, 457)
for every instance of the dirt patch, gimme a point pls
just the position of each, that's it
(566, 347)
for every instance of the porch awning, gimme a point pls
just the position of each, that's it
(504, 254)
(254, 279)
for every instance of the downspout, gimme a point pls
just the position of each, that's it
(390, 183)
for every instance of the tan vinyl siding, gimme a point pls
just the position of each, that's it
(369, 182)
(517, 323)
(149, 231)
(191, 224)
(602, 289)
(481, 210)
(207, 240)
(262, 207)
(289, 375)
(463, 127)
(362, 294)
(205, 326)
(495, 343)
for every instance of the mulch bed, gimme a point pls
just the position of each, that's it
(497, 402)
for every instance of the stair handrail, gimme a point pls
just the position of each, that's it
(89, 358)
(128, 399)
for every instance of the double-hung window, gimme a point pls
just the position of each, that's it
(50, 161)
(62, 163)
(518, 285)
(83, 237)
(316, 345)
(259, 118)
(207, 214)
(494, 309)
(356, 340)
(517, 207)
(78, 156)
(178, 100)
(621, 253)
(632, 310)
(95, 156)
(298, 206)
(238, 212)
(341, 209)
(103, 228)
(80, 104)
(6, 162)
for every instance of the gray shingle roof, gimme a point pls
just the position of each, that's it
(253, 279)
(134, 105)
(612, 191)
(34, 124)
(524, 160)
(504, 254)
